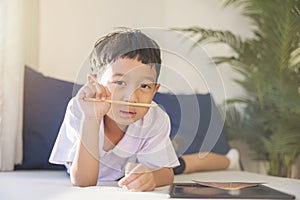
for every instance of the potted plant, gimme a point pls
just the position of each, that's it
(269, 63)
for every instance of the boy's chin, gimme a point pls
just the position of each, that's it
(125, 122)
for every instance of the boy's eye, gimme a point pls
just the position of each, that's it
(122, 83)
(146, 86)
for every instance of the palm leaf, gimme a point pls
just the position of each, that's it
(213, 36)
(269, 64)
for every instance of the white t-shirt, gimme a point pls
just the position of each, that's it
(145, 141)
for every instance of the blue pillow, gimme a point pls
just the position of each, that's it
(45, 101)
(189, 132)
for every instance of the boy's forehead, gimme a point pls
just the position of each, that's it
(131, 67)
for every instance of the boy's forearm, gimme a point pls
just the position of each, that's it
(204, 162)
(85, 167)
(163, 176)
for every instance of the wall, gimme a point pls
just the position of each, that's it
(69, 28)
(31, 33)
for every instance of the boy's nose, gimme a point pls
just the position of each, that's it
(131, 95)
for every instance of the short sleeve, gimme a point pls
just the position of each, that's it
(68, 138)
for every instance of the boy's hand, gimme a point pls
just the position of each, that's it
(138, 178)
(92, 89)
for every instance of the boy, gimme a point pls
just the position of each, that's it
(125, 142)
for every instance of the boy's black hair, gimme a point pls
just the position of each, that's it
(125, 44)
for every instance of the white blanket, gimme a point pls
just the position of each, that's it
(40, 185)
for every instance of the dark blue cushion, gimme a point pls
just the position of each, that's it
(45, 101)
(46, 98)
(193, 119)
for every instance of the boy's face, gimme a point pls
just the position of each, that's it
(132, 81)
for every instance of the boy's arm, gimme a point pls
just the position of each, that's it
(204, 162)
(85, 167)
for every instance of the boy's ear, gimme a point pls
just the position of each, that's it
(157, 86)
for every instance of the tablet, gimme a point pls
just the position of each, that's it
(194, 190)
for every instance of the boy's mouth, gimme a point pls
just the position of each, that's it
(127, 114)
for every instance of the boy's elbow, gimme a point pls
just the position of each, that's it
(81, 180)
(83, 183)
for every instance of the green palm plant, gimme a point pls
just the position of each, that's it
(269, 63)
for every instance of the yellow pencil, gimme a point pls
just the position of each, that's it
(121, 102)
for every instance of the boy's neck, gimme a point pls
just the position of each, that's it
(113, 131)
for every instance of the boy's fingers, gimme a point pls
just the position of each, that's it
(100, 92)
(127, 179)
(85, 91)
(141, 186)
(137, 184)
(92, 78)
(133, 172)
(140, 183)
(108, 94)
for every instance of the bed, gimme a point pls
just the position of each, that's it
(55, 185)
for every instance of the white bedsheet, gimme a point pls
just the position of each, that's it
(33, 185)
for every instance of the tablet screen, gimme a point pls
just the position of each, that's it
(194, 190)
